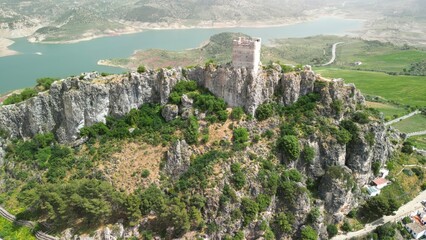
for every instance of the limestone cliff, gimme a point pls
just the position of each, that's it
(73, 103)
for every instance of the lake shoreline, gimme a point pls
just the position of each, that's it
(141, 27)
(4, 47)
(5, 43)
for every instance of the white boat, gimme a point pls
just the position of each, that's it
(38, 53)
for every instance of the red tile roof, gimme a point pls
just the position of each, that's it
(380, 181)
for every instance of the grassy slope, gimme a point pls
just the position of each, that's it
(408, 90)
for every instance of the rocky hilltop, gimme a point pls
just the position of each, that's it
(339, 168)
(73, 103)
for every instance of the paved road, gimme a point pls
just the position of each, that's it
(403, 117)
(420, 133)
(403, 211)
(333, 54)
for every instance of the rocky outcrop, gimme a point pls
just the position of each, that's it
(170, 112)
(178, 159)
(72, 103)
(337, 189)
(2, 152)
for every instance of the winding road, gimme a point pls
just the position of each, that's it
(403, 211)
(333, 54)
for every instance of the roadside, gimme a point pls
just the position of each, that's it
(403, 211)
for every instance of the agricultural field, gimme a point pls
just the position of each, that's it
(419, 141)
(389, 111)
(413, 124)
(406, 90)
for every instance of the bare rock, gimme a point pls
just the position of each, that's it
(178, 159)
(170, 112)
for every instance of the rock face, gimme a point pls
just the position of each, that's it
(178, 158)
(170, 112)
(72, 103)
(2, 153)
(337, 190)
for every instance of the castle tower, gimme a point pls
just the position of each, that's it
(246, 53)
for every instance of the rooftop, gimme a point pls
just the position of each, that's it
(416, 227)
(380, 181)
(372, 190)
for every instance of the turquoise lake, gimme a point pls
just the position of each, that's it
(62, 60)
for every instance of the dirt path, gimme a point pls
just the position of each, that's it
(403, 211)
(333, 54)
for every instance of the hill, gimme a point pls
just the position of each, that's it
(284, 152)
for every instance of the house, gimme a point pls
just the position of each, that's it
(380, 183)
(384, 172)
(416, 229)
(373, 191)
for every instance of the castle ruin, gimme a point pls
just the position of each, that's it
(246, 53)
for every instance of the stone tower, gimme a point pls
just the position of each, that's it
(246, 53)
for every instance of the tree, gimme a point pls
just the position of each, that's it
(380, 205)
(332, 230)
(133, 211)
(240, 138)
(346, 226)
(192, 132)
(289, 144)
(141, 69)
(308, 233)
(264, 111)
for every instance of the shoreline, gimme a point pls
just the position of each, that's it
(4, 47)
(141, 27)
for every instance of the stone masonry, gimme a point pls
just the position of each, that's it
(246, 53)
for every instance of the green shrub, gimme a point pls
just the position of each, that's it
(308, 154)
(289, 144)
(284, 222)
(360, 117)
(240, 138)
(250, 209)
(141, 69)
(145, 173)
(332, 230)
(308, 233)
(45, 83)
(292, 175)
(17, 98)
(264, 111)
(237, 113)
(192, 132)
(263, 201)
(238, 177)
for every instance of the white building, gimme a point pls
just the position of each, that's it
(416, 229)
(246, 53)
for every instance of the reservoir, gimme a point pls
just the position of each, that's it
(61, 60)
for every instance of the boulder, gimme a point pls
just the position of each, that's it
(170, 112)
